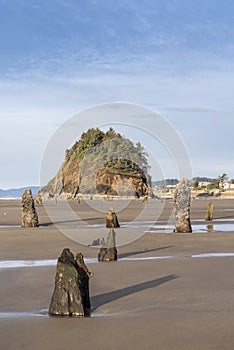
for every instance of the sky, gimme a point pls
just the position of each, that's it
(173, 57)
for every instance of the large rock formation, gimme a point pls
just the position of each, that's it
(29, 214)
(99, 163)
(111, 219)
(71, 291)
(182, 200)
(108, 253)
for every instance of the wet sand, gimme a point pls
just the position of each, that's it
(176, 300)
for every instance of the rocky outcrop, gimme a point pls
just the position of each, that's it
(87, 170)
(182, 198)
(71, 291)
(115, 184)
(69, 184)
(64, 184)
(29, 214)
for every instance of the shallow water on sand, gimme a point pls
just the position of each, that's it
(9, 226)
(21, 314)
(6, 264)
(206, 227)
(42, 313)
(213, 255)
(167, 227)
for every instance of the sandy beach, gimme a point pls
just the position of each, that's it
(167, 291)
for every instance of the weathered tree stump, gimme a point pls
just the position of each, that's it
(209, 213)
(71, 291)
(83, 281)
(108, 253)
(29, 214)
(98, 241)
(182, 199)
(111, 219)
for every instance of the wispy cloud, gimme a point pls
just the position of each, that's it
(192, 109)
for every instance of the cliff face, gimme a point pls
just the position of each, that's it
(67, 183)
(80, 176)
(116, 184)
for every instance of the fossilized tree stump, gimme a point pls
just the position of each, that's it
(209, 213)
(29, 214)
(182, 201)
(111, 219)
(108, 253)
(71, 291)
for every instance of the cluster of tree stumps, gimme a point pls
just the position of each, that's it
(71, 291)
(71, 296)
(108, 251)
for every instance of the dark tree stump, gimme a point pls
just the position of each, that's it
(111, 219)
(209, 213)
(83, 282)
(182, 207)
(108, 253)
(29, 214)
(71, 291)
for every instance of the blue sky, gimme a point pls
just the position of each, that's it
(60, 57)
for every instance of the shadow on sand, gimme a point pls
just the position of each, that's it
(78, 221)
(106, 298)
(124, 255)
(223, 217)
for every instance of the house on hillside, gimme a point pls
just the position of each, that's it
(227, 185)
(203, 183)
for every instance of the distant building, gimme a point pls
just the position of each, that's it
(227, 186)
(203, 183)
(171, 187)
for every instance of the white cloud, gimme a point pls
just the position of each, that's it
(199, 106)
